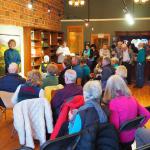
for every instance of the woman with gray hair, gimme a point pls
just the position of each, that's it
(123, 107)
(91, 111)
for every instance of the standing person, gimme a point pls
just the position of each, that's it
(140, 66)
(62, 51)
(94, 57)
(86, 52)
(11, 55)
(118, 50)
(127, 58)
(104, 52)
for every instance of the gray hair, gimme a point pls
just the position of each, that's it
(70, 76)
(92, 90)
(13, 68)
(115, 87)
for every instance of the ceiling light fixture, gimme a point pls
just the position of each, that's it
(140, 1)
(76, 3)
(129, 18)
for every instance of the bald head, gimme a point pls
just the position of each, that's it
(70, 76)
(13, 68)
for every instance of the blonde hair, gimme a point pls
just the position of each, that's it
(34, 78)
(114, 60)
(121, 71)
(52, 69)
(115, 87)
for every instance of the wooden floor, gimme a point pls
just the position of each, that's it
(8, 143)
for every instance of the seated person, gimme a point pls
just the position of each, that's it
(66, 65)
(10, 81)
(91, 111)
(122, 72)
(30, 89)
(115, 62)
(123, 107)
(51, 77)
(86, 70)
(77, 68)
(107, 71)
(69, 90)
(43, 67)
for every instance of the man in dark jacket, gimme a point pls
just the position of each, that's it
(10, 81)
(69, 90)
(107, 71)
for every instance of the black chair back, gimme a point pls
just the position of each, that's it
(148, 108)
(145, 147)
(68, 142)
(132, 124)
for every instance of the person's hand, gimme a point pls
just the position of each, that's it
(72, 113)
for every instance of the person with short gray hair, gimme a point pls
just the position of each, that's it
(70, 76)
(13, 68)
(70, 90)
(91, 111)
(11, 80)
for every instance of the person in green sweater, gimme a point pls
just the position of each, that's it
(51, 77)
(85, 69)
(140, 66)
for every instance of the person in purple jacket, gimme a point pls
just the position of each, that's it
(71, 89)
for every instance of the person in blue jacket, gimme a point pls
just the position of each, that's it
(11, 55)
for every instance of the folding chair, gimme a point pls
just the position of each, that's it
(132, 124)
(68, 142)
(145, 147)
(129, 125)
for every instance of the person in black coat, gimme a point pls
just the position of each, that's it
(107, 71)
(10, 81)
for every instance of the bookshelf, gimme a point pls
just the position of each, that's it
(37, 43)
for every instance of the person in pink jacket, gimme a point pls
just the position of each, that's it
(122, 106)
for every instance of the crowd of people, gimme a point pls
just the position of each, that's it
(95, 91)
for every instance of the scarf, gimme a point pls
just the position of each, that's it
(99, 110)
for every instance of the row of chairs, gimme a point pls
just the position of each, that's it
(65, 140)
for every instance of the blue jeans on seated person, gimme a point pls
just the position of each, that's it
(140, 74)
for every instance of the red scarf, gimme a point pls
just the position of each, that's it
(75, 103)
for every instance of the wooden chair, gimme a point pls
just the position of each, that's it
(48, 91)
(6, 98)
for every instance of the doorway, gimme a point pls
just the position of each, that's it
(75, 39)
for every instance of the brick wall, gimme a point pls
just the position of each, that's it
(15, 12)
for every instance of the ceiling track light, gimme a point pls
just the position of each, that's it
(129, 18)
(140, 1)
(76, 3)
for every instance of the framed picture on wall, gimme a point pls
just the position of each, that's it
(4, 38)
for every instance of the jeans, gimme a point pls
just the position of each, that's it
(129, 69)
(140, 74)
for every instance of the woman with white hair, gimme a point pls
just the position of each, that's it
(123, 107)
(91, 111)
